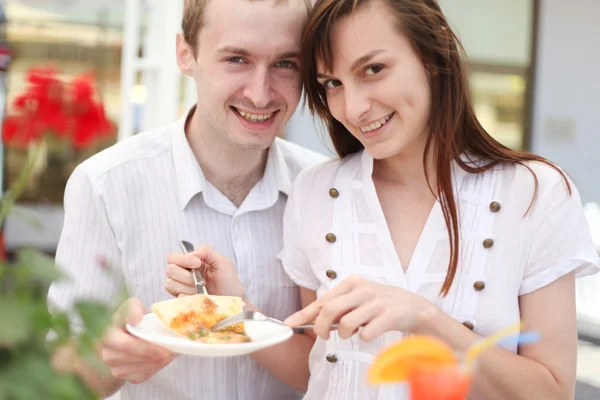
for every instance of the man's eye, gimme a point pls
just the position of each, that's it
(286, 64)
(236, 60)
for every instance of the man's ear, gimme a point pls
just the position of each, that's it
(185, 56)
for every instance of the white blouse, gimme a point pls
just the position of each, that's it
(334, 227)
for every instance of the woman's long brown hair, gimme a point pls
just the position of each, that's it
(454, 129)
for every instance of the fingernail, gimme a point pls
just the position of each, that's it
(196, 262)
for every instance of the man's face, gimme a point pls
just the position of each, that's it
(247, 69)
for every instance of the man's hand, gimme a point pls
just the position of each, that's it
(218, 271)
(129, 358)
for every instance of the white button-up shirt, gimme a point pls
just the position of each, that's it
(520, 254)
(134, 202)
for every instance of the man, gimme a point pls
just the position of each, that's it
(218, 176)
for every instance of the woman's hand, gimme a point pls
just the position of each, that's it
(218, 271)
(359, 302)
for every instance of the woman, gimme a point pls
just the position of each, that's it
(426, 225)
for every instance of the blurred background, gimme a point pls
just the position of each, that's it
(533, 71)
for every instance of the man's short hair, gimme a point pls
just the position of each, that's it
(192, 22)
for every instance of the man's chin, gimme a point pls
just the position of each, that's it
(252, 141)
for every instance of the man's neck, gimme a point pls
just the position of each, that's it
(232, 170)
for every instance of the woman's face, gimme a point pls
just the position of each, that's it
(378, 88)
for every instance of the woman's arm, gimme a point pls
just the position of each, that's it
(544, 370)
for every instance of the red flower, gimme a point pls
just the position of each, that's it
(19, 131)
(51, 106)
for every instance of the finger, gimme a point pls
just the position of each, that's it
(376, 327)
(115, 359)
(308, 314)
(334, 310)
(131, 311)
(175, 288)
(118, 340)
(189, 260)
(139, 372)
(352, 321)
(180, 274)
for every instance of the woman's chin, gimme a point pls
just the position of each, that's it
(381, 151)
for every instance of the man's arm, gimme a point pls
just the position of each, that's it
(87, 235)
(295, 351)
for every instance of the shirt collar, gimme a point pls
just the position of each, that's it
(458, 173)
(191, 180)
(188, 174)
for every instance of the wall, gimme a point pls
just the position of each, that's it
(566, 124)
(493, 31)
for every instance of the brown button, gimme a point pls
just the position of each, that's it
(331, 274)
(468, 325)
(495, 206)
(333, 192)
(479, 286)
(330, 237)
(331, 358)
(487, 243)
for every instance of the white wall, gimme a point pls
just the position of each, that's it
(566, 126)
(493, 31)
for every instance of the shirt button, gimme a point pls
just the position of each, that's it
(468, 325)
(331, 274)
(479, 286)
(495, 206)
(487, 243)
(330, 237)
(333, 192)
(331, 358)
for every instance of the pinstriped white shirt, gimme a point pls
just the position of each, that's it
(133, 202)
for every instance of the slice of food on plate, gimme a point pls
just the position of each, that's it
(193, 316)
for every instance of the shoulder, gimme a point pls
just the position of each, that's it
(297, 158)
(321, 176)
(123, 156)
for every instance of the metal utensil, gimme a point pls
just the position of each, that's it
(199, 283)
(256, 316)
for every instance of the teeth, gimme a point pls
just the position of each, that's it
(254, 117)
(377, 124)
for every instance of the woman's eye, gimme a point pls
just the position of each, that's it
(330, 84)
(374, 69)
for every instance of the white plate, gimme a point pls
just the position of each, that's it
(263, 335)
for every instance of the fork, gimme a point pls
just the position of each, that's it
(186, 247)
(256, 316)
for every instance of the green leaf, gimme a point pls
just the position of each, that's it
(42, 320)
(96, 317)
(61, 326)
(68, 387)
(37, 265)
(17, 320)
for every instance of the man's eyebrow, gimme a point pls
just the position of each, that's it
(290, 54)
(243, 52)
(234, 50)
